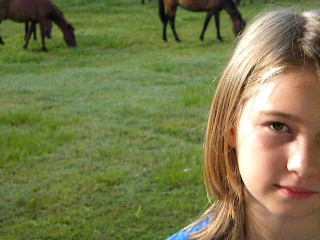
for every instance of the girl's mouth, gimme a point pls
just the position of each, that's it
(296, 192)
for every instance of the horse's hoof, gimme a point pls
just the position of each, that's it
(201, 38)
(220, 39)
(25, 47)
(1, 42)
(44, 49)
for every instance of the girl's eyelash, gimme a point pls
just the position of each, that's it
(279, 127)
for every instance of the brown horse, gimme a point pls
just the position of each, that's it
(212, 7)
(37, 11)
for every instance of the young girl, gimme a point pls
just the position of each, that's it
(262, 148)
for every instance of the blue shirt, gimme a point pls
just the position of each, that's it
(184, 235)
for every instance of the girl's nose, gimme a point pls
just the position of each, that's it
(304, 160)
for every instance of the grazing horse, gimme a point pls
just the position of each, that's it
(37, 11)
(212, 7)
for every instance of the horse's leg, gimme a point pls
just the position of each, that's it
(217, 21)
(34, 31)
(1, 18)
(28, 36)
(172, 17)
(205, 25)
(142, 1)
(48, 28)
(164, 19)
(1, 41)
(26, 27)
(164, 29)
(172, 24)
(42, 24)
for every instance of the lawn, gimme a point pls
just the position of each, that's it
(105, 141)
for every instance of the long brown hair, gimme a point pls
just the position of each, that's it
(271, 44)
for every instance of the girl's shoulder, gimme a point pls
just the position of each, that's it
(184, 234)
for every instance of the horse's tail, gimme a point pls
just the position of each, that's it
(162, 12)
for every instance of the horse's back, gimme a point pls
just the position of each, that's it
(28, 10)
(200, 5)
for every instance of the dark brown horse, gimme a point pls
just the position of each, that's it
(212, 7)
(37, 11)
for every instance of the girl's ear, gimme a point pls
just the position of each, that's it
(232, 137)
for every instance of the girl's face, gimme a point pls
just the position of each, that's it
(277, 141)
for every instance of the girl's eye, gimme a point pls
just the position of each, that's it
(279, 127)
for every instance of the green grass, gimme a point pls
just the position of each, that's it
(105, 141)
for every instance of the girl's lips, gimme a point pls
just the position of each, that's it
(296, 192)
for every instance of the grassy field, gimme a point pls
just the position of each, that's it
(105, 141)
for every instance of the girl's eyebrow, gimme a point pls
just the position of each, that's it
(274, 113)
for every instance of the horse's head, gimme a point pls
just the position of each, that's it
(238, 26)
(69, 36)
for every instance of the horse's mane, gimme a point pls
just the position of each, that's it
(56, 15)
